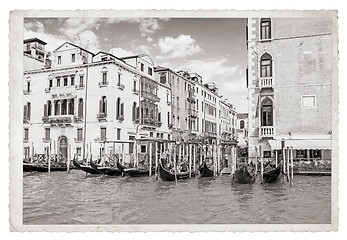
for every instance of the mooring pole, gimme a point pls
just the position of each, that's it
(49, 157)
(68, 159)
(291, 165)
(190, 159)
(256, 160)
(261, 165)
(276, 157)
(157, 151)
(287, 157)
(179, 150)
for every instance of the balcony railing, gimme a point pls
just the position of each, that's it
(47, 90)
(46, 140)
(62, 90)
(120, 118)
(266, 131)
(135, 91)
(57, 120)
(26, 120)
(120, 86)
(150, 96)
(150, 122)
(103, 84)
(78, 118)
(193, 113)
(266, 82)
(79, 87)
(101, 116)
(78, 140)
(26, 92)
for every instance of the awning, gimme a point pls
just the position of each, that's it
(302, 144)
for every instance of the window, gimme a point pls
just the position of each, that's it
(79, 134)
(266, 113)
(151, 134)
(266, 65)
(65, 81)
(185, 86)
(28, 86)
(78, 151)
(118, 108)
(26, 153)
(118, 83)
(163, 78)
(267, 154)
(131, 144)
(26, 134)
(104, 59)
(308, 101)
(168, 118)
(57, 108)
(159, 117)
(103, 134)
(73, 56)
(178, 102)
(64, 107)
(118, 133)
(27, 111)
(71, 107)
(47, 134)
(315, 153)
(103, 105)
(72, 80)
(150, 71)
(142, 67)
(80, 107)
(265, 28)
(104, 78)
(143, 149)
(134, 111)
(81, 81)
(58, 82)
(134, 85)
(50, 83)
(301, 153)
(59, 59)
(242, 124)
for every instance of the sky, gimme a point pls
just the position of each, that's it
(215, 48)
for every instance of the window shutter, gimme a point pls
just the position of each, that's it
(100, 106)
(122, 109)
(29, 110)
(25, 111)
(45, 113)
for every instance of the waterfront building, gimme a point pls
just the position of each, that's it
(85, 104)
(290, 86)
(242, 134)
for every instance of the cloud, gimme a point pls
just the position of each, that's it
(120, 52)
(87, 39)
(182, 46)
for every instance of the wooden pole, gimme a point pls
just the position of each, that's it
(68, 159)
(49, 158)
(189, 155)
(292, 165)
(158, 151)
(287, 163)
(175, 162)
(201, 153)
(261, 164)
(123, 153)
(194, 156)
(150, 158)
(276, 157)
(256, 160)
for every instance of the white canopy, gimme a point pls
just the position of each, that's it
(302, 144)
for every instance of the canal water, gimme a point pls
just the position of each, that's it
(74, 198)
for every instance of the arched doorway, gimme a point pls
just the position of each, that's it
(63, 146)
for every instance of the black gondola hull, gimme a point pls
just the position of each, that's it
(166, 175)
(273, 175)
(110, 171)
(243, 177)
(205, 171)
(85, 168)
(27, 167)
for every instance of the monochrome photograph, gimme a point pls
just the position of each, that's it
(157, 122)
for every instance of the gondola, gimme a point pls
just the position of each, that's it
(166, 175)
(109, 171)
(272, 175)
(30, 167)
(85, 168)
(243, 176)
(134, 172)
(205, 171)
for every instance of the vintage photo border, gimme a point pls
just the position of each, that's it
(16, 125)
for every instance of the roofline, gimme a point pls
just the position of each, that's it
(120, 59)
(74, 46)
(34, 40)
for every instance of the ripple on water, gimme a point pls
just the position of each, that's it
(60, 198)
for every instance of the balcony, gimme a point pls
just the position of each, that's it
(79, 87)
(149, 96)
(135, 91)
(120, 118)
(193, 113)
(47, 90)
(78, 140)
(77, 118)
(46, 140)
(266, 82)
(150, 122)
(101, 116)
(120, 86)
(58, 120)
(26, 120)
(266, 131)
(26, 92)
(103, 84)
(62, 90)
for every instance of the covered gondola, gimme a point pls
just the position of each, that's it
(205, 171)
(110, 171)
(85, 168)
(166, 175)
(243, 176)
(272, 175)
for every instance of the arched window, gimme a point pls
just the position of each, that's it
(49, 108)
(266, 65)
(104, 75)
(72, 107)
(168, 118)
(57, 108)
(134, 109)
(163, 78)
(118, 108)
(80, 107)
(64, 107)
(103, 105)
(27, 111)
(242, 124)
(267, 112)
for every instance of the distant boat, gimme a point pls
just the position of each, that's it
(85, 168)
(32, 167)
(205, 171)
(166, 175)
(134, 172)
(110, 171)
(243, 176)
(272, 175)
